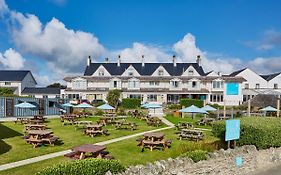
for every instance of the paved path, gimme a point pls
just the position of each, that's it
(61, 153)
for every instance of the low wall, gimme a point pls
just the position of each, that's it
(220, 162)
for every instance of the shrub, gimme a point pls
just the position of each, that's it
(131, 103)
(174, 106)
(196, 155)
(121, 111)
(205, 146)
(85, 167)
(188, 102)
(99, 112)
(259, 131)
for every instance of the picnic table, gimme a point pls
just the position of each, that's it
(153, 140)
(184, 125)
(35, 121)
(153, 121)
(22, 120)
(206, 121)
(89, 150)
(83, 124)
(68, 119)
(94, 130)
(28, 127)
(39, 117)
(191, 134)
(126, 125)
(38, 137)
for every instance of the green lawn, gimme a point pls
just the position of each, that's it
(14, 148)
(126, 152)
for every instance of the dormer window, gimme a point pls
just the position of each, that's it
(131, 72)
(101, 72)
(190, 72)
(194, 84)
(161, 72)
(275, 86)
(175, 84)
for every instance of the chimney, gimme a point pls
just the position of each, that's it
(198, 60)
(89, 61)
(106, 60)
(119, 60)
(142, 61)
(175, 60)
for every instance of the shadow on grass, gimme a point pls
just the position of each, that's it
(6, 132)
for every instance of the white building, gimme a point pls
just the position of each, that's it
(258, 84)
(16, 80)
(154, 82)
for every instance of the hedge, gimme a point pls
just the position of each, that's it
(131, 103)
(263, 132)
(196, 155)
(186, 102)
(85, 167)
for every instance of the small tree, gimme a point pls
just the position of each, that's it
(6, 91)
(57, 85)
(113, 97)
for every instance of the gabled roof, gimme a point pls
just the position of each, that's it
(270, 76)
(41, 90)
(13, 75)
(237, 72)
(148, 69)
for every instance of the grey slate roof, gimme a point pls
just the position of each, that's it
(41, 90)
(13, 75)
(148, 69)
(270, 76)
(237, 72)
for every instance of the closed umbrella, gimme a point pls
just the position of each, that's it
(25, 105)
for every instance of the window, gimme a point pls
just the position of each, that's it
(8, 83)
(161, 72)
(216, 98)
(51, 104)
(133, 84)
(190, 72)
(217, 84)
(135, 96)
(131, 72)
(154, 83)
(115, 84)
(275, 86)
(175, 84)
(79, 84)
(101, 72)
(257, 86)
(152, 97)
(246, 86)
(194, 84)
(45, 96)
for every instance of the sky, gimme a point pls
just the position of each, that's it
(53, 38)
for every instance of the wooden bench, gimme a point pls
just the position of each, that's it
(50, 140)
(34, 142)
(71, 154)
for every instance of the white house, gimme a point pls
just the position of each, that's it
(17, 80)
(154, 82)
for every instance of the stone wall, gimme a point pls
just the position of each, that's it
(220, 162)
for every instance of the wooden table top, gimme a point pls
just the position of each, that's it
(89, 148)
(40, 132)
(35, 125)
(94, 126)
(154, 134)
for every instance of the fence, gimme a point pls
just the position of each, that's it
(44, 106)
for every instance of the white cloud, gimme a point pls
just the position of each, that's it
(12, 59)
(151, 53)
(265, 65)
(3, 8)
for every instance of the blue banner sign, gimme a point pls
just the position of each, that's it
(232, 89)
(232, 130)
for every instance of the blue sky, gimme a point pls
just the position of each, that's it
(226, 32)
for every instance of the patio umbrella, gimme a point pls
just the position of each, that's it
(67, 105)
(193, 110)
(269, 109)
(152, 106)
(83, 105)
(208, 108)
(105, 107)
(25, 105)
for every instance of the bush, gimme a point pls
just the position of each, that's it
(85, 167)
(131, 103)
(205, 146)
(259, 131)
(174, 106)
(188, 102)
(121, 111)
(99, 112)
(196, 155)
